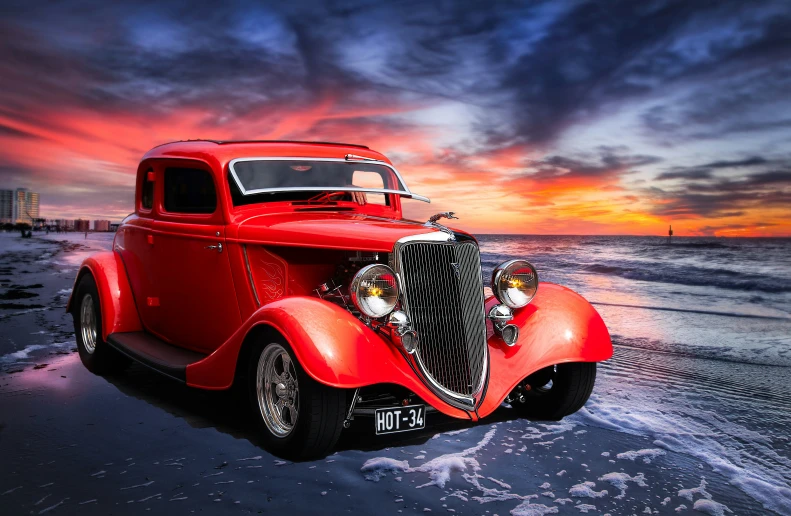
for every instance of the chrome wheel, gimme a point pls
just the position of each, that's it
(88, 324)
(277, 390)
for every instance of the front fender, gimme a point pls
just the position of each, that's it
(333, 346)
(119, 313)
(558, 326)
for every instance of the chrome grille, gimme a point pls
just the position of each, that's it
(446, 310)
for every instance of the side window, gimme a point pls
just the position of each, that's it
(189, 190)
(367, 179)
(147, 200)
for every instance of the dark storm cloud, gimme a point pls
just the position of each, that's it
(608, 162)
(691, 174)
(554, 63)
(171, 55)
(719, 197)
(705, 171)
(743, 96)
(602, 54)
(16, 133)
(748, 162)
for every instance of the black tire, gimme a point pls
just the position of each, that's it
(97, 356)
(320, 409)
(571, 386)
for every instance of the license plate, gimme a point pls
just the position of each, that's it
(400, 419)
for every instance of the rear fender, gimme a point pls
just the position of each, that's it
(333, 346)
(119, 313)
(558, 326)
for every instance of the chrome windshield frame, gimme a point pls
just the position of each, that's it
(403, 193)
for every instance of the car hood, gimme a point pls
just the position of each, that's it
(330, 230)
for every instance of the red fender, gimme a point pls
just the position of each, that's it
(119, 313)
(333, 346)
(558, 326)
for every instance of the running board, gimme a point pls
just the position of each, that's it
(155, 353)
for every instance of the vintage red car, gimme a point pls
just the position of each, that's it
(287, 268)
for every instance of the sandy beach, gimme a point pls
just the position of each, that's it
(664, 433)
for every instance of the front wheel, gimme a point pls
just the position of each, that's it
(299, 417)
(556, 391)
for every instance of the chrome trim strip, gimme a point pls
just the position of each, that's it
(461, 401)
(403, 193)
(433, 236)
(250, 275)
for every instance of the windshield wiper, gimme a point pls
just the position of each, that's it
(355, 157)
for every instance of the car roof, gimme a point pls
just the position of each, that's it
(223, 151)
(231, 142)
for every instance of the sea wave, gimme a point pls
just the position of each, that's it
(776, 356)
(691, 245)
(696, 311)
(696, 276)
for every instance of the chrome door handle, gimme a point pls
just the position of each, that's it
(218, 247)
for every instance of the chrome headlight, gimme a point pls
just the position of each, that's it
(514, 283)
(374, 290)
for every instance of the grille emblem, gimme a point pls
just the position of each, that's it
(455, 267)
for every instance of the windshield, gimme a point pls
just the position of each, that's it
(257, 176)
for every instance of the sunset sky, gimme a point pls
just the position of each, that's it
(535, 117)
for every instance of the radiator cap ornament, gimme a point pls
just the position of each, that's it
(432, 223)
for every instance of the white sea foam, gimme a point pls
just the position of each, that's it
(534, 433)
(619, 481)
(646, 454)
(586, 490)
(483, 489)
(711, 507)
(533, 509)
(691, 492)
(23, 355)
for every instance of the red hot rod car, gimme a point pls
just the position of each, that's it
(287, 268)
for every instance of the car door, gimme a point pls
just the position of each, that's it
(197, 302)
(133, 243)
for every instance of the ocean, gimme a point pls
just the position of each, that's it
(721, 298)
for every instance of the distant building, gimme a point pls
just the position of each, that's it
(114, 226)
(101, 225)
(62, 224)
(81, 225)
(6, 206)
(20, 205)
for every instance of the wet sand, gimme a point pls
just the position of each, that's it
(75, 443)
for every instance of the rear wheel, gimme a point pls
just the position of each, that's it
(97, 356)
(299, 417)
(556, 391)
